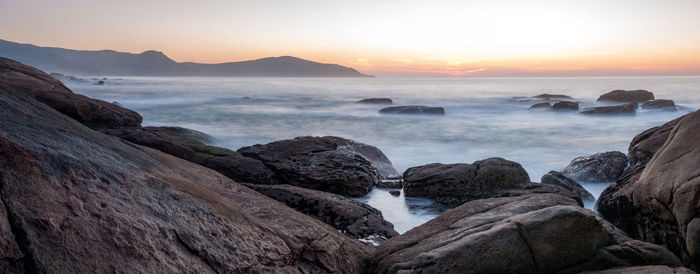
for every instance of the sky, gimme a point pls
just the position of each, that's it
(392, 37)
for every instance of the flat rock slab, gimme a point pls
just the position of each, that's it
(627, 96)
(413, 110)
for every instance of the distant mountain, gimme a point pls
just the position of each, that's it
(155, 63)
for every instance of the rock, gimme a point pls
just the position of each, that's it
(317, 163)
(536, 233)
(353, 218)
(79, 201)
(395, 193)
(546, 96)
(653, 269)
(597, 168)
(413, 110)
(626, 109)
(660, 104)
(376, 101)
(627, 96)
(44, 88)
(390, 183)
(100, 83)
(565, 105)
(371, 153)
(559, 179)
(660, 203)
(542, 105)
(453, 184)
(645, 144)
(187, 144)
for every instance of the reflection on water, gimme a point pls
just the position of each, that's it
(404, 212)
(480, 120)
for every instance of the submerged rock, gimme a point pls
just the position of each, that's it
(376, 101)
(559, 179)
(565, 106)
(353, 218)
(542, 105)
(659, 204)
(46, 89)
(413, 110)
(626, 109)
(546, 96)
(660, 104)
(597, 168)
(319, 163)
(627, 96)
(537, 233)
(395, 192)
(79, 201)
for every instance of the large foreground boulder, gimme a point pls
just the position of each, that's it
(538, 233)
(44, 88)
(597, 168)
(351, 217)
(371, 153)
(318, 163)
(660, 203)
(627, 96)
(187, 144)
(453, 184)
(645, 144)
(559, 179)
(79, 201)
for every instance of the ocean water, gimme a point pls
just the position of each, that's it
(480, 122)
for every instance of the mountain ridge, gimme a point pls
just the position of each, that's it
(156, 63)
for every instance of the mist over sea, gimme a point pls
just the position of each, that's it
(480, 122)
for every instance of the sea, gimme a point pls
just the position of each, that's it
(481, 118)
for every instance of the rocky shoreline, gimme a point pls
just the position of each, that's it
(86, 188)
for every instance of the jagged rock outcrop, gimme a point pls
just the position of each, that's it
(353, 218)
(558, 179)
(186, 144)
(660, 203)
(44, 88)
(453, 184)
(627, 96)
(318, 163)
(537, 233)
(77, 200)
(413, 110)
(600, 167)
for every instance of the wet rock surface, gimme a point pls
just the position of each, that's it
(318, 163)
(537, 233)
(627, 96)
(353, 218)
(77, 200)
(413, 110)
(597, 168)
(559, 179)
(658, 202)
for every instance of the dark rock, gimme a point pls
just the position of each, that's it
(187, 144)
(537, 233)
(597, 168)
(100, 83)
(44, 88)
(542, 105)
(413, 110)
(627, 96)
(546, 96)
(652, 269)
(79, 201)
(353, 218)
(317, 163)
(396, 183)
(376, 101)
(660, 203)
(371, 153)
(565, 105)
(626, 109)
(559, 179)
(453, 184)
(645, 144)
(395, 192)
(660, 104)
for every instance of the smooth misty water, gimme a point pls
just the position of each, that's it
(480, 122)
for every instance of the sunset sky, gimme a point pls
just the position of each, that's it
(483, 38)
